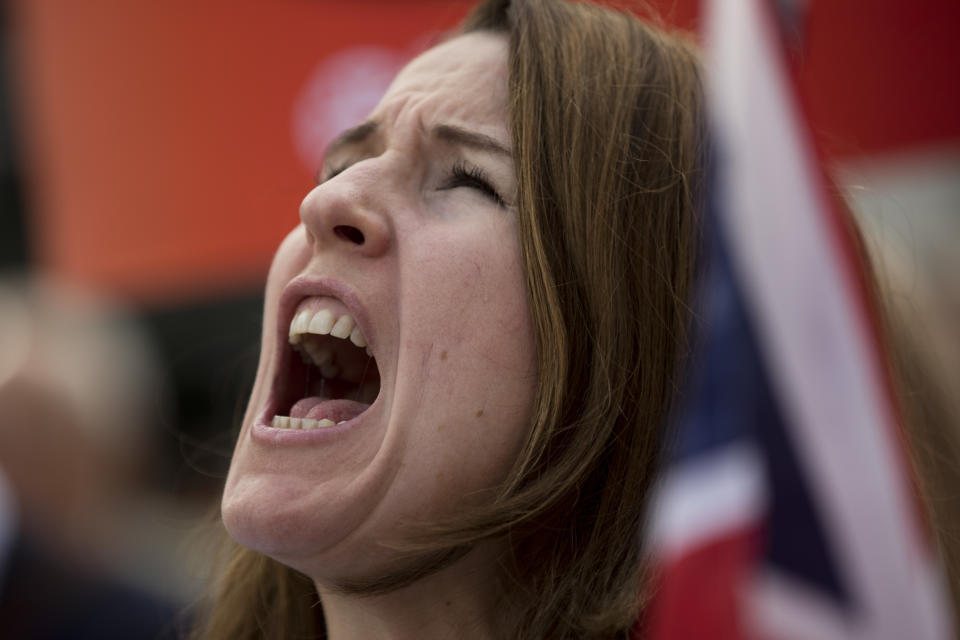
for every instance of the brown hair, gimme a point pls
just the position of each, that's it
(606, 120)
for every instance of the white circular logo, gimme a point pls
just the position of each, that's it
(339, 94)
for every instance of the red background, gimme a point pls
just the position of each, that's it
(158, 135)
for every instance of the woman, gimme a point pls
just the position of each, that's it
(471, 342)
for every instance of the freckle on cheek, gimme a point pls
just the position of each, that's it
(480, 413)
(443, 355)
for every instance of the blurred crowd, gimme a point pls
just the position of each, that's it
(88, 546)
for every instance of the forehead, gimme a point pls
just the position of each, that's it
(462, 80)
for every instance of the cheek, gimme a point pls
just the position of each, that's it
(472, 291)
(478, 371)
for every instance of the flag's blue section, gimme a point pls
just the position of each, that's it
(729, 400)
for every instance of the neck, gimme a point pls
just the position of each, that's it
(459, 601)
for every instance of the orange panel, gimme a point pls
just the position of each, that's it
(161, 135)
(170, 143)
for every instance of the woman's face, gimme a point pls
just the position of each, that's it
(411, 237)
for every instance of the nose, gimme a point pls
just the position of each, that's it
(339, 216)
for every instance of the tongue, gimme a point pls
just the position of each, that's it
(305, 406)
(316, 408)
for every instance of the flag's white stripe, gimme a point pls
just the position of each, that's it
(804, 303)
(707, 497)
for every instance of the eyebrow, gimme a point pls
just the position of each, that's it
(448, 133)
(353, 136)
(458, 136)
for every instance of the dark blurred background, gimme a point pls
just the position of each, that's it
(152, 156)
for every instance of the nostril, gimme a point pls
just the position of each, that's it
(351, 234)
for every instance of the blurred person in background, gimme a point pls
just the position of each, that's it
(77, 388)
(921, 304)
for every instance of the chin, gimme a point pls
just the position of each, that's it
(308, 468)
(270, 514)
(332, 550)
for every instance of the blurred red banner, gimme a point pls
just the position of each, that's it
(168, 144)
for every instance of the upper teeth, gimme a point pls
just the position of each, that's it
(322, 323)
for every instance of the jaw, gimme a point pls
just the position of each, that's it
(331, 508)
(300, 503)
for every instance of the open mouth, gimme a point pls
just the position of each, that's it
(328, 375)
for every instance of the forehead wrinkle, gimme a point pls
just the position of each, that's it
(430, 94)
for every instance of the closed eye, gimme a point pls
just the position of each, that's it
(462, 175)
(322, 175)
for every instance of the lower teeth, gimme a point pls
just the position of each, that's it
(283, 422)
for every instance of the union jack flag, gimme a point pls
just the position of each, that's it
(786, 509)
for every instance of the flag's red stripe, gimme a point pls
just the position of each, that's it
(697, 593)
